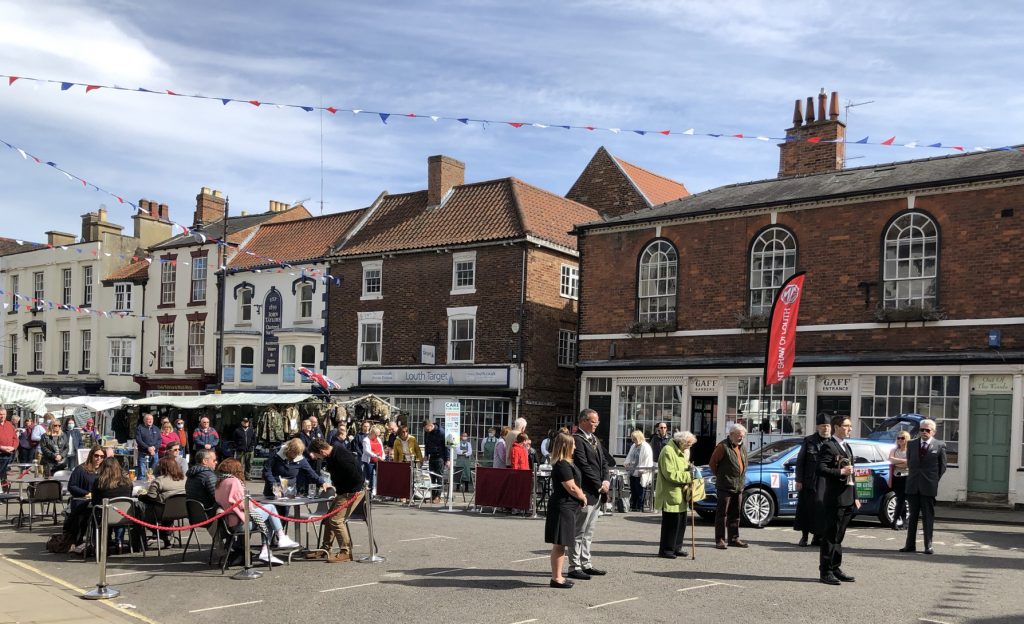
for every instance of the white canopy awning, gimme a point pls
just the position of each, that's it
(218, 400)
(91, 403)
(22, 396)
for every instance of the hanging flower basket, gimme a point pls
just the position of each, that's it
(640, 328)
(909, 313)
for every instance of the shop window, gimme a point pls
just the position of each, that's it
(479, 414)
(932, 396)
(777, 411)
(642, 407)
(911, 257)
(415, 412)
(772, 262)
(308, 359)
(656, 282)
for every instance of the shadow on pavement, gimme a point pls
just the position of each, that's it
(730, 577)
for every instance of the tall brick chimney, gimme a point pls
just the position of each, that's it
(443, 172)
(209, 207)
(814, 145)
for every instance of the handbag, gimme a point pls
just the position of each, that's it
(696, 489)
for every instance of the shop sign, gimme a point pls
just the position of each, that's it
(434, 377)
(426, 354)
(992, 384)
(271, 322)
(834, 385)
(704, 385)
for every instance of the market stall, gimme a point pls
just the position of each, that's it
(25, 397)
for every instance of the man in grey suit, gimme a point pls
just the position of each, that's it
(926, 463)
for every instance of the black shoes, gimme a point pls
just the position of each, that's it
(667, 555)
(929, 551)
(908, 549)
(842, 576)
(829, 579)
(816, 542)
(594, 572)
(738, 543)
(682, 553)
(803, 542)
(579, 575)
(563, 585)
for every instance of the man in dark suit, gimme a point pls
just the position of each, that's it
(837, 498)
(926, 463)
(590, 458)
(806, 476)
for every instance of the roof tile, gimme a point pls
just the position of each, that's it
(295, 241)
(656, 188)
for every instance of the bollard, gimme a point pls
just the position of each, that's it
(102, 591)
(374, 557)
(247, 573)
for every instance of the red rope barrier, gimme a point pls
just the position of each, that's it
(157, 527)
(307, 520)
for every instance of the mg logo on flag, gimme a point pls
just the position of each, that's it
(789, 294)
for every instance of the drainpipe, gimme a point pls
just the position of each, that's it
(222, 261)
(522, 329)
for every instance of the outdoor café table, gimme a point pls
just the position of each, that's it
(286, 505)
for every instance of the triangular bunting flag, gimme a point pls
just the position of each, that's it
(888, 141)
(89, 88)
(688, 131)
(331, 110)
(225, 100)
(517, 124)
(64, 86)
(255, 103)
(463, 120)
(384, 117)
(863, 141)
(11, 79)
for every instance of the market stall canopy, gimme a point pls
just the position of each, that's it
(22, 396)
(219, 400)
(91, 403)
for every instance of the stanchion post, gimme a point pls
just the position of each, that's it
(451, 481)
(247, 573)
(533, 492)
(374, 557)
(102, 591)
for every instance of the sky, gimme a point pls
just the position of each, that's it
(932, 72)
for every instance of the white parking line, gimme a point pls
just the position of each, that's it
(418, 539)
(614, 602)
(324, 591)
(447, 571)
(697, 587)
(720, 583)
(931, 621)
(525, 621)
(128, 573)
(238, 604)
(531, 559)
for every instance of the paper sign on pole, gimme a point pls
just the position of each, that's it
(452, 433)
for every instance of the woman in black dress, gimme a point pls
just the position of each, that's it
(563, 505)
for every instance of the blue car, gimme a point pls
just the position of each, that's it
(770, 488)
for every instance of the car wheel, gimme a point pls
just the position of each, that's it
(887, 510)
(708, 516)
(758, 508)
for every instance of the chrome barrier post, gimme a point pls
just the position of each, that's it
(533, 491)
(102, 591)
(374, 557)
(450, 474)
(247, 573)
(412, 480)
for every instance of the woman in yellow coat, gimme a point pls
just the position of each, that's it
(670, 494)
(406, 448)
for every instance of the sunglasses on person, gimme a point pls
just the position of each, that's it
(927, 430)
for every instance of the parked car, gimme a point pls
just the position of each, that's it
(887, 429)
(770, 489)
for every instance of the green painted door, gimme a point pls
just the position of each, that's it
(988, 467)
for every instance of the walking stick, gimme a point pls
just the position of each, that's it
(693, 529)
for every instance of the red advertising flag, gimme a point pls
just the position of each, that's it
(778, 361)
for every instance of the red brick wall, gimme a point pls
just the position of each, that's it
(980, 271)
(604, 187)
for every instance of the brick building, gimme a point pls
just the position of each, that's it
(912, 304)
(460, 292)
(614, 187)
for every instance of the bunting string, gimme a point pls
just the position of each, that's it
(384, 117)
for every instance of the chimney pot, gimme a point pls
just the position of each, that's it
(810, 110)
(821, 105)
(165, 214)
(833, 106)
(799, 155)
(798, 114)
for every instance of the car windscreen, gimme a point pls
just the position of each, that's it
(889, 428)
(773, 452)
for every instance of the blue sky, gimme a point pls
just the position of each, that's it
(936, 71)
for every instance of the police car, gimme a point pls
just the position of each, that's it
(770, 489)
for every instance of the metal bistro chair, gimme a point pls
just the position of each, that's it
(114, 521)
(196, 514)
(43, 493)
(173, 510)
(237, 532)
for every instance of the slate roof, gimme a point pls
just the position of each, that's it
(296, 241)
(656, 188)
(137, 271)
(237, 227)
(867, 180)
(501, 209)
(9, 246)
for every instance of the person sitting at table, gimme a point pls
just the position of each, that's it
(54, 447)
(170, 480)
(406, 448)
(289, 463)
(80, 487)
(520, 456)
(201, 481)
(111, 482)
(231, 490)
(174, 450)
(500, 450)
(167, 436)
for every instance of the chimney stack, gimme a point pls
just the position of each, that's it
(95, 225)
(443, 172)
(209, 207)
(152, 223)
(56, 239)
(814, 145)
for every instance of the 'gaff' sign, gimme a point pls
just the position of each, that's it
(778, 361)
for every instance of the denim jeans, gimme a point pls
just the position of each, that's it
(146, 463)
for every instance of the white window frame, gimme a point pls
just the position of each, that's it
(86, 336)
(310, 364)
(38, 289)
(463, 257)
(87, 286)
(14, 354)
(366, 320)
(65, 351)
(38, 352)
(369, 266)
(196, 344)
(569, 282)
(229, 365)
(251, 365)
(909, 233)
(165, 346)
(14, 292)
(66, 283)
(289, 362)
(772, 262)
(302, 301)
(245, 308)
(168, 278)
(658, 270)
(123, 297)
(566, 348)
(198, 284)
(121, 355)
(456, 315)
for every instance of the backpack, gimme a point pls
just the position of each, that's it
(59, 543)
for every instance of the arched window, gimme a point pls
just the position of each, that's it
(772, 262)
(911, 262)
(656, 282)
